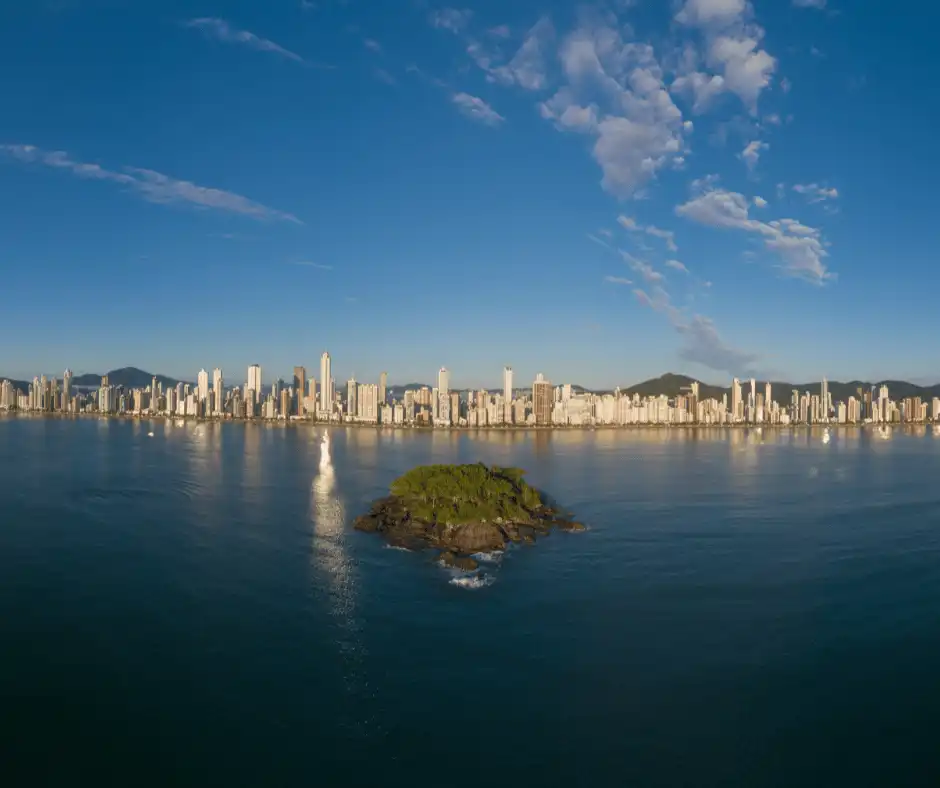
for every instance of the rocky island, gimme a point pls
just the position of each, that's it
(462, 510)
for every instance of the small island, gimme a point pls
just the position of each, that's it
(462, 510)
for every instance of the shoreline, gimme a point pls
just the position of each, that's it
(302, 422)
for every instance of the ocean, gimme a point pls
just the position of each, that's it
(194, 608)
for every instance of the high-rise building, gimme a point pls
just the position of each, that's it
(443, 394)
(202, 385)
(218, 390)
(351, 402)
(300, 385)
(67, 389)
(326, 384)
(542, 400)
(367, 403)
(824, 400)
(254, 381)
(383, 386)
(736, 405)
(507, 394)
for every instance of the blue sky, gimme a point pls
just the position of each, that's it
(601, 192)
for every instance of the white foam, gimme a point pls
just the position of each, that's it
(494, 557)
(398, 547)
(472, 582)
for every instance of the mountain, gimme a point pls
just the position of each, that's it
(129, 377)
(672, 384)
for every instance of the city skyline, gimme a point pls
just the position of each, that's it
(697, 185)
(543, 405)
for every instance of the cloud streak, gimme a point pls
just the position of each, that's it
(310, 264)
(629, 223)
(152, 186)
(800, 247)
(813, 192)
(220, 30)
(477, 109)
(702, 343)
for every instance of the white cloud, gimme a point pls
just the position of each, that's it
(810, 3)
(614, 90)
(151, 185)
(676, 266)
(813, 192)
(645, 270)
(760, 202)
(309, 264)
(800, 248)
(747, 69)
(500, 31)
(477, 109)
(221, 30)
(371, 43)
(668, 236)
(732, 53)
(706, 13)
(527, 67)
(453, 19)
(751, 153)
(786, 85)
(617, 280)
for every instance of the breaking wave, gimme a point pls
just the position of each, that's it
(472, 582)
(494, 557)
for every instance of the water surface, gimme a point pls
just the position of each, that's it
(194, 608)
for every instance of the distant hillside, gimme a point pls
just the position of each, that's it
(129, 377)
(672, 384)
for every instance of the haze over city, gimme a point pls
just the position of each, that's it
(601, 193)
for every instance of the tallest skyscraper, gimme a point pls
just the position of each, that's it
(326, 384)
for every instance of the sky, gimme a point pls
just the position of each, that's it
(601, 192)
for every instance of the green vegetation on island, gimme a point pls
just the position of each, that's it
(466, 493)
(461, 510)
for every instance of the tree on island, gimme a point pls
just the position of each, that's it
(466, 494)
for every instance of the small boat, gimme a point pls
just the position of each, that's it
(149, 434)
(826, 436)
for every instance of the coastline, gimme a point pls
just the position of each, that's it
(511, 428)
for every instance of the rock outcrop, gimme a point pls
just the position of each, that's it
(432, 512)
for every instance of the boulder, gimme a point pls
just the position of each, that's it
(463, 562)
(476, 538)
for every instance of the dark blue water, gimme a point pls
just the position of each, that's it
(193, 608)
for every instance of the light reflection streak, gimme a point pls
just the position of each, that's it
(332, 564)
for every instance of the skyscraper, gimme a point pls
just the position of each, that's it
(383, 385)
(542, 400)
(443, 394)
(507, 394)
(326, 384)
(254, 380)
(202, 383)
(824, 399)
(736, 399)
(218, 389)
(351, 400)
(300, 384)
(67, 390)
